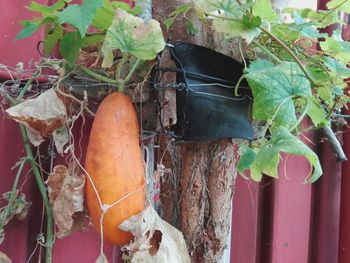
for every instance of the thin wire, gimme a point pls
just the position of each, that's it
(221, 96)
(218, 84)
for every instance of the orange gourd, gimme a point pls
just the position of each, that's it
(114, 163)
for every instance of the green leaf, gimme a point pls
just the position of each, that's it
(93, 40)
(318, 73)
(339, 5)
(29, 28)
(247, 157)
(285, 32)
(182, 9)
(70, 45)
(233, 29)
(263, 9)
(306, 28)
(323, 18)
(259, 64)
(103, 18)
(274, 89)
(251, 22)
(317, 113)
(132, 35)
(136, 10)
(338, 49)
(226, 7)
(282, 140)
(336, 67)
(46, 10)
(80, 16)
(51, 39)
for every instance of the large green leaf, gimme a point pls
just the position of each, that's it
(132, 35)
(338, 49)
(316, 112)
(267, 159)
(80, 16)
(233, 28)
(263, 8)
(336, 67)
(341, 5)
(227, 7)
(70, 45)
(274, 89)
(105, 14)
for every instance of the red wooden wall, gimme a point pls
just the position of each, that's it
(282, 221)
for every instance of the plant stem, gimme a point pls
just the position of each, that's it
(120, 66)
(42, 189)
(12, 195)
(333, 10)
(302, 116)
(97, 75)
(268, 52)
(132, 71)
(290, 52)
(122, 82)
(335, 144)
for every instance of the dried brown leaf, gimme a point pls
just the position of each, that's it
(66, 192)
(61, 138)
(41, 115)
(155, 240)
(4, 258)
(19, 208)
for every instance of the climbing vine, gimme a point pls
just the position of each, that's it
(290, 77)
(294, 70)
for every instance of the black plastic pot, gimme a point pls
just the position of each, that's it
(206, 105)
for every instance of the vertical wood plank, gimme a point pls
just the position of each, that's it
(245, 222)
(292, 207)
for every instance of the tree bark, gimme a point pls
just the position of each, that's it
(196, 195)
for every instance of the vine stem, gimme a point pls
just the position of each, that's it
(42, 189)
(128, 77)
(290, 52)
(268, 52)
(12, 195)
(97, 75)
(302, 116)
(41, 186)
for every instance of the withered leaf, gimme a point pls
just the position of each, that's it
(41, 115)
(4, 258)
(19, 208)
(155, 240)
(61, 138)
(66, 193)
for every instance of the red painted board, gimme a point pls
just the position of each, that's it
(291, 212)
(326, 209)
(344, 227)
(11, 51)
(245, 221)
